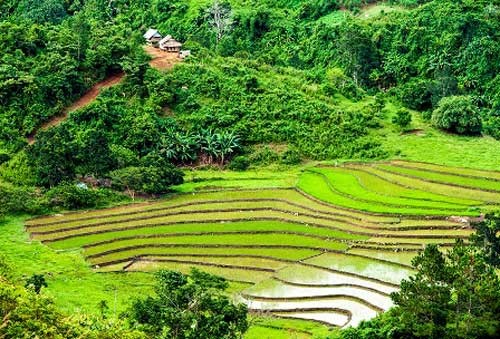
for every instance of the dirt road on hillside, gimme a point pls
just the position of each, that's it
(160, 60)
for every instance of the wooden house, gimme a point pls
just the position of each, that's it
(152, 36)
(169, 44)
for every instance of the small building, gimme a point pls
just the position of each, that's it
(169, 44)
(184, 54)
(152, 36)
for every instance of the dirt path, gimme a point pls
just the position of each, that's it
(86, 99)
(160, 60)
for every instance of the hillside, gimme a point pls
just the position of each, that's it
(306, 151)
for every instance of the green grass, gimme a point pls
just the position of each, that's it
(203, 213)
(476, 183)
(442, 148)
(257, 250)
(374, 10)
(74, 286)
(212, 179)
(289, 195)
(224, 240)
(278, 253)
(276, 328)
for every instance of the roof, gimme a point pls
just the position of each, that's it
(152, 33)
(168, 41)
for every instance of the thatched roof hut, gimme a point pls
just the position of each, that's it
(169, 44)
(152, 36)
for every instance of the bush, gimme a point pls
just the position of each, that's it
(150, 180)
(239, 163)
(291, 157)
(458, 114)
(264, 156)
(416, 94)
(72, 196)
(492, 126)
(14, 199)
(402, 119)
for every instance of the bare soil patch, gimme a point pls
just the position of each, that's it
(162, 60)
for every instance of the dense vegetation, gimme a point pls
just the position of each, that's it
(294, 73)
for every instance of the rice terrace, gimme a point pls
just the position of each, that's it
(329, 248)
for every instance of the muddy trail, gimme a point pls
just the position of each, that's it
(160, 60)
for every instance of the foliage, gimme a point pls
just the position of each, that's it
(487, 237)
(75, 196)
(36, 282)
(457, 114)
(291, 157)
(189, 306)
(26, 313)
(239, 163)
(152, 180)
(18, 199)
(402, 119)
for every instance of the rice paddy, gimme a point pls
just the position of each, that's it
(328, 246)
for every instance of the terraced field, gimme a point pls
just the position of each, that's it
(330, 248)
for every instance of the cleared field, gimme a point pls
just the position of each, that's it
(331, 249)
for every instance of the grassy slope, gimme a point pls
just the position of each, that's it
(71, 282)
(434, 146)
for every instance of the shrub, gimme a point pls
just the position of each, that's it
(416, 94)
(291, 157)
(151, 180)
(264, 156)
(72, 196)
(14, 199)
(402, 118)
(458, 114)
(239, 163)
(492, 126)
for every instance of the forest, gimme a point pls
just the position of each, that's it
(268, 83)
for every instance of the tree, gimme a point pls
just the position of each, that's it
(220, 18)
(189, 306)
(424, 299)
(36, 282)
(458, 114)
(487, 237)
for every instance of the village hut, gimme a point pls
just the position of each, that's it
(152, 36)
(169, 44)
(184, 54)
